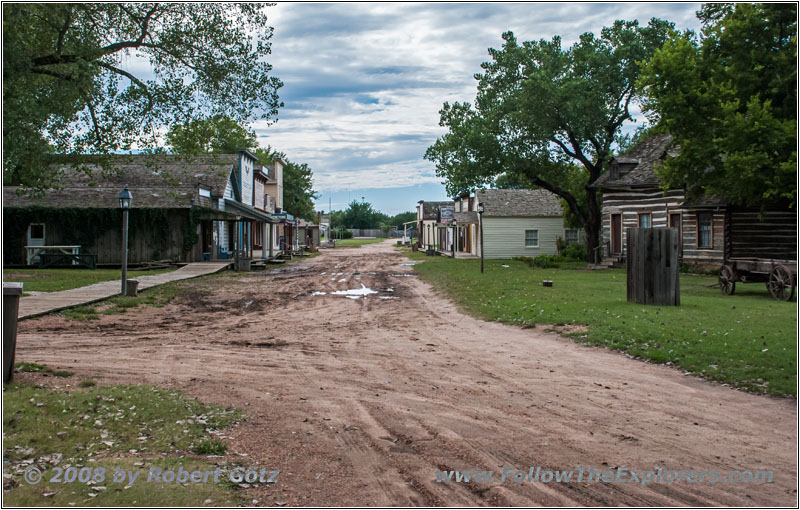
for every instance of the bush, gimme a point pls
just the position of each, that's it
(543, 261)
(574, 251)
(344, 234)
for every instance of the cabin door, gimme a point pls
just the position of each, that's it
(675, 222)
(616, 234)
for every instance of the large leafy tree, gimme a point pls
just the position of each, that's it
(729, 98)
(362, 215)
(298, 184)
(542, 110)
(105, 77)
(214, 135)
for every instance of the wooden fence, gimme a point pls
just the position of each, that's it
(653, 266)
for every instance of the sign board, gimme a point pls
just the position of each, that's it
(446, 214)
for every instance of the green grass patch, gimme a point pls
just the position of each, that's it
(51, 280)
(747, 340)
(35, 367)
(358, 242)
(211, 447)
(132, 427)
(157, 296)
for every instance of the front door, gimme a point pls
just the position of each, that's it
(675, 222)
(616, 234)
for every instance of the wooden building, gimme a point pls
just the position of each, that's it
(710, 231)
(185, 209)
(427, 217)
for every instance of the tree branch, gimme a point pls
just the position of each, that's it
(63, 32)
(95, 124)
(132, 78)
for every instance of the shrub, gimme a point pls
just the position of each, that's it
(574, 251)
(546, 261)
(344, 234)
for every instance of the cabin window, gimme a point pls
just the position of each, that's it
(571, 235)
(705, 238)
(36, 231)
(644, 220)
(531, 238)
(614, 171)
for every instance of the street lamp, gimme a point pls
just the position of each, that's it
(480, 221)
(125, 199)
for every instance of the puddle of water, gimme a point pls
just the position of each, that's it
(343, 280)
(388, 297)
(323, 273)
(318, 293)
(410, 264)
(363, 291)
(403, 274)
(353, 297)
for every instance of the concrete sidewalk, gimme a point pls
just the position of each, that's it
(40, 304)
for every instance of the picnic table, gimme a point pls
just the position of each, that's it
(57, 255)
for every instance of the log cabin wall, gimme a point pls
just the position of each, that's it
(771, 235)
(630, 203)
(711, 257)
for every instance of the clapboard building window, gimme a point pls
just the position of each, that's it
(531, 238)
(571, 235)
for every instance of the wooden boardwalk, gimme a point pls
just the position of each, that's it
(48, 302)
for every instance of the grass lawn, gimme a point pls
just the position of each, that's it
(101, 428)
(358, 242)
(747, 340)
(51, 280)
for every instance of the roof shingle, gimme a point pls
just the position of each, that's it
(519, 202)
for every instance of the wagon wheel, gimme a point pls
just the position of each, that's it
(781, 283)
(727, 280)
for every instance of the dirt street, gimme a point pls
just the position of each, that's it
(360, 400)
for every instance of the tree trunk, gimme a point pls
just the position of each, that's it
(592, 226)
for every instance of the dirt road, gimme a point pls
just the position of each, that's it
(360, 400)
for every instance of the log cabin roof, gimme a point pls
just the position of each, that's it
(156, 181)
(637, 166)
(519, 202)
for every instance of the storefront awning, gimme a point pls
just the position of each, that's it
(249, 212)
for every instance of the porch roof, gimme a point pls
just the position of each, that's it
(249, 212)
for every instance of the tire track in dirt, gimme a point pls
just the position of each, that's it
(452, 391)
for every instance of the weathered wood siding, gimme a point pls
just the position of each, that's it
(694, 255)
(771, 235)
(652, 266)
(505, 237)
(143, 246)
(631, 203)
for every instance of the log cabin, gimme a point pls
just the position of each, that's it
(711, 231)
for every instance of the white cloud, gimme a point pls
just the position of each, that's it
(364, 82)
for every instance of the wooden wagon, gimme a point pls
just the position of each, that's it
(779, 275)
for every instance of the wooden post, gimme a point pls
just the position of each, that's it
(124, 285)
(652, 260)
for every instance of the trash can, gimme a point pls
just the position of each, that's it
(132, 288)
(12, 291)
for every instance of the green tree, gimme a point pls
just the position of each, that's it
(214, 135)
(362, 215)
(298, 184)
(729, 99)
(541, 108)
(73, 82)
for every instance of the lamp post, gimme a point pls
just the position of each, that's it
(480, 222)
(125, 199)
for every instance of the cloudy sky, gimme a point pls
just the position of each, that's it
(364, 82)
